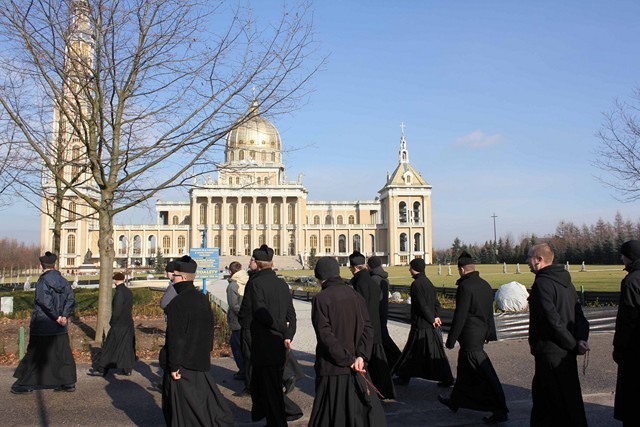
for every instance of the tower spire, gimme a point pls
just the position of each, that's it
(403, 155)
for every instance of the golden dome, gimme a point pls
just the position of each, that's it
(249, 140)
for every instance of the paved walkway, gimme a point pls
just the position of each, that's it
(126, 401)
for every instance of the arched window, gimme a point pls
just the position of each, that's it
(339, 220)
(247, 244)
(73, 211)
(291, 214)
(273, 157)
(356, 243)
(264, 156)
(71, 244)
(217, 213)
(166, 244)
(230, 180)
(216, 241)
(203, 213)
(292, 244)
(252, 155)
(316, 219)
(182, 243)
(247, 214)
(152, 245)
(313, 241)
(232, 244)
(403, 242)
(237, 180)
(232, 213)
(259, 180)
(276, 213)
(417, 238)
(327, 219)
(327, 243)
(402, 212)
(262, 213)
(417, 217)
(122, 245)
(241, 156)
(231, 156)
(342, 243)
(373, 243)
(137, 245)
(352, 219)
(276, 244)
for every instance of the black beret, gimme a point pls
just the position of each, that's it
(118, 276)
(418, 264)
(326, 268)
(374, 262)
(464, 259)
(171, 265)
(48, 258)
(356, 258)
(631, 249)
(186, 265)
(263, 253)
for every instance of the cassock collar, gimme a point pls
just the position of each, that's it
(183, 286)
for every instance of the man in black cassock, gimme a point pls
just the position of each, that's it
(192, 397)
(477, 385)
(626, 341)
(377, 365)
(558, 332)
(273, 325)
(381, 278)
(49, 361)
(345, 338)
(423, 355)
(119, 349)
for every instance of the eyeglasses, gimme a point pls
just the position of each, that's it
(178, 275)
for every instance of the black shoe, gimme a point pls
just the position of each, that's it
(126, 372)
(68, 388)
(445, 384)
(401, 381)
(447, 402)
(242, 393)
(289, 384)
(495, 418)
(20, 389)
(294, 417)
(97, 372)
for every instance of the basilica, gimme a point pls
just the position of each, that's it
(251, 203)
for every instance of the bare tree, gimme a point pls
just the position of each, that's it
(140, 92)
(619, 151)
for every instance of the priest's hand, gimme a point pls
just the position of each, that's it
(437, 323)
(62, 321)
(287, 344)
(358, 365)
(583, 347)
(176, 375)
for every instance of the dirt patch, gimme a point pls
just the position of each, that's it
(150, 332)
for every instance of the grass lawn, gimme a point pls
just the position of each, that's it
(597, 277)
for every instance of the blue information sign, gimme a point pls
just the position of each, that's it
(208, 260)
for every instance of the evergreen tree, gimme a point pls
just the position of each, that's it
(161, 263)
(313, 259)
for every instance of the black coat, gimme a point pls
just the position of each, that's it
(53, 298)
(370, 291)
(189, 338)
(343, 329)
(381, 278)
(425, 306)
(626, 346)
(556, 321)
(121, 307)
(273, 318)
(473, 322)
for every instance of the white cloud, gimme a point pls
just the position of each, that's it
(479, 139)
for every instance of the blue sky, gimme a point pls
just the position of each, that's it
(501, 101)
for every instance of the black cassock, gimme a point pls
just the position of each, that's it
(119, 349)
(391, 350)
(424, 355)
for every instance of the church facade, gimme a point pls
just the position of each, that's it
(251, 203)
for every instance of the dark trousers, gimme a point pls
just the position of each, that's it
(557, 398)
(245, 336)
(235, 341)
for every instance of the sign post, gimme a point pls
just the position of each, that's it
(208, 260)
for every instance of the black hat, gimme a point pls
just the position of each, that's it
(170, 267)
(356, 258)
(326, 268)
(48, 258)
(418, 264)
(374, 262)
(263, 253)
(186, 265)
(631, 249)
(464, 259)
(118, 276)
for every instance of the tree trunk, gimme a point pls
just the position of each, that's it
(107, 255)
